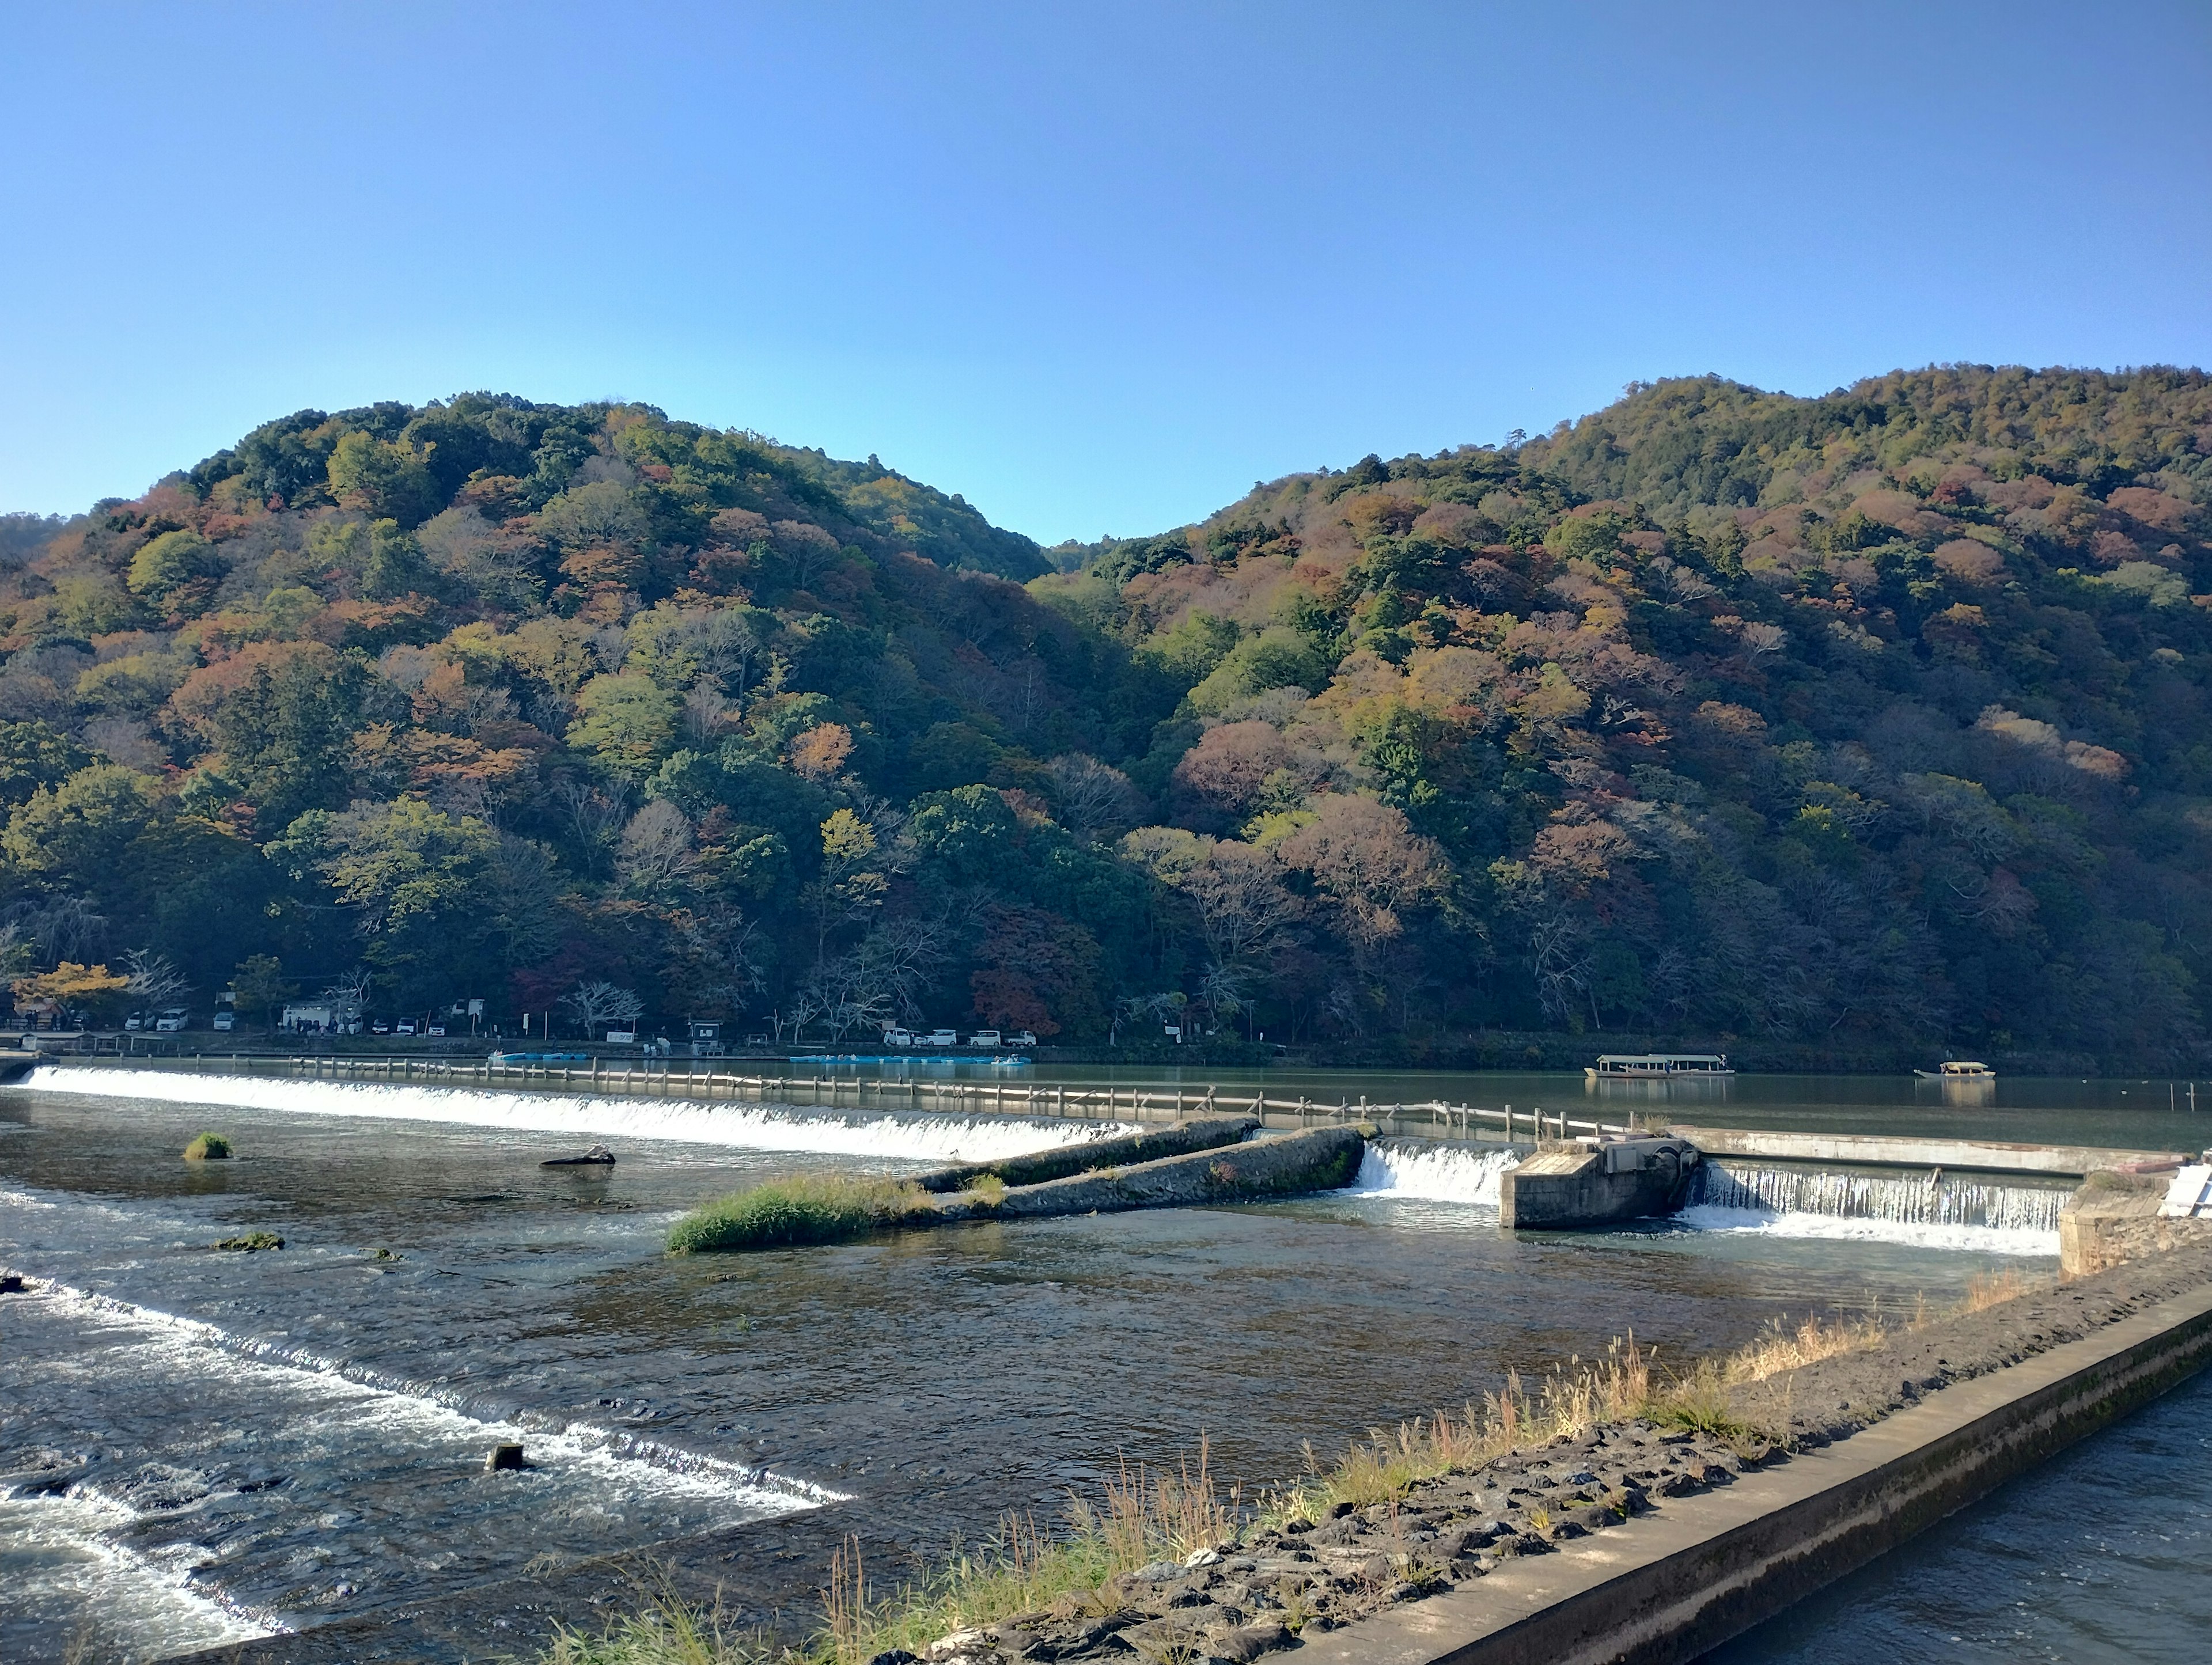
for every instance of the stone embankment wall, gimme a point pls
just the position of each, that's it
(2113, 1219)
(1319, 1160)
(1200, 1133)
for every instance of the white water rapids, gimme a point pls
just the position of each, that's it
(1990, 1217)
(889, 1134)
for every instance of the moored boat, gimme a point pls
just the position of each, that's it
(1646, 1065)
(1959, 1070)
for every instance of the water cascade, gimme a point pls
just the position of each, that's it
(1997, 1216)
(884, 1134)
(1433, 1172)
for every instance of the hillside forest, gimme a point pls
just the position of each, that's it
(1835, 729)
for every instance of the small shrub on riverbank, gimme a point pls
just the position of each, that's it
(805, 1208)
(208, 1147)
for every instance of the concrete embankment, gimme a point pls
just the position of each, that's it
(1290, 1165)
(2117, 1217)
(1200, 1133)
(1933, 1422)
(1882, 1151)
(1595, 1183)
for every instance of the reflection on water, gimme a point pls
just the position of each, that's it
(196, 1440)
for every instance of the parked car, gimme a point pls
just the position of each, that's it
(379, 1027)
(405, 1026)
(984, 1037)
(436, 1029)
(1021, 1038)
(942, 1037)
(226, 1019)
(136, 1020)
(898, 1038)
(171, 1021)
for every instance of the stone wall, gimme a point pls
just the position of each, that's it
(2113, 1219)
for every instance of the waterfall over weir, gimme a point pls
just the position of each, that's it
(1987, 1215)
(885, 1134)
(1436, 1173)
(1994, 1215)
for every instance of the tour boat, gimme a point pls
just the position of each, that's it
(1960, 1071)
(1644, 1065)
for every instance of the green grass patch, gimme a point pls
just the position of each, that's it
(805, 1208)
(253, 1242)
(208, 1147)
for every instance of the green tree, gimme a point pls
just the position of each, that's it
(626, 722)
(165, 564)
(395, 566)
(286, 733)
(261, 985)
(424, 886)
(389, 479)
(34, 755)
(77, 832)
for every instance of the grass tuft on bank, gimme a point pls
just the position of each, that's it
(804, 1208)
(208, 1147)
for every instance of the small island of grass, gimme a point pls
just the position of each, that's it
(804, 1208)
(208, 1147)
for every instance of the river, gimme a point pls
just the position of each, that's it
(202, 1445)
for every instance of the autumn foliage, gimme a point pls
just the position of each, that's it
(1864, 725)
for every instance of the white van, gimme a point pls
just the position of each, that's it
(898, 1038)
(171, 1021)
(1023, 1038)
(941, 1037)
(984, 1037)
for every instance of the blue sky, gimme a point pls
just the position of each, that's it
(1098, 268)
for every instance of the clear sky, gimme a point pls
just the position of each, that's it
(1097, 267)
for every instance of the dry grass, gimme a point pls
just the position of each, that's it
(1387, 1464)
(1996, 1289)
(1145, 1515)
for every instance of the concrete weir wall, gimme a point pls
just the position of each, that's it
(1670, 1586)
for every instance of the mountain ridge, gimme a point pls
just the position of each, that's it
(1872, 722)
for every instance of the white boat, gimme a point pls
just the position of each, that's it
(1962, 1070)
(1645, 1066)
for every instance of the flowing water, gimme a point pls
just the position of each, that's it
(198, 1445)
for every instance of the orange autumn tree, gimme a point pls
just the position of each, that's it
(69, 985)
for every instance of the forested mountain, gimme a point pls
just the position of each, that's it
(1844, 727)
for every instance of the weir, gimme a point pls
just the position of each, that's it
(1445, 1153)
(1905, 1199)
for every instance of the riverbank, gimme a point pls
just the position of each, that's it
(1445, 1504)
(1461, 1508)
